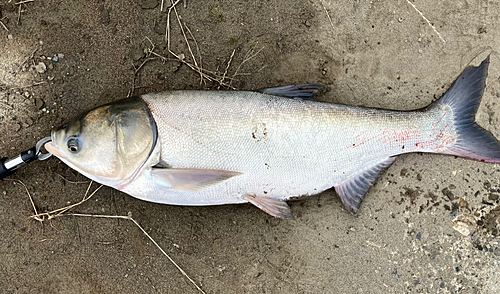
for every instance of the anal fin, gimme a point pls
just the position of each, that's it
(275, 207)
(353, 191)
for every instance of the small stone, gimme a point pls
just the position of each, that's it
(40, 42)
(38, 103)
(41, 67)
(60, 55)
(463, 204)
(27, 94)
(446, 192)
(493, 197)
(10, 37)
(51, 66)
(465, 224)
(55, 58)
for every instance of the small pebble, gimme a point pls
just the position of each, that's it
(10, 37)
(38, 103)
(41, 67)
(55, 58)
(40, 42)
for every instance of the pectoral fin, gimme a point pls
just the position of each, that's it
(189, 179)
(273, 206)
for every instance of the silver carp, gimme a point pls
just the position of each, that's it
(264, 146)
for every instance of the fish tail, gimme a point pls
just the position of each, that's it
(464, 98)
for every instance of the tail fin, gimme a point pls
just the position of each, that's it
(464, 98)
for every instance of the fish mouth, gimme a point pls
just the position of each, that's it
(52, 146)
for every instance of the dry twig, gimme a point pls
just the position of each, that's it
(425, 18)
(327, 14)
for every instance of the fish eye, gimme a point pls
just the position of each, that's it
(73, 145)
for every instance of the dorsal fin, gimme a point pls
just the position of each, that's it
(301, 91)
(353, 190)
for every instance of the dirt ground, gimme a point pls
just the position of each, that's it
(370, 53)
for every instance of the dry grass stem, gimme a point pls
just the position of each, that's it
(4, 26)
(142, 64)
(22, 2)
(195, 43)
(248, 56)
(29, 195)
(28, 86)
(129, 217)
(227, 67)
(180, 57)
(425, 18)
(327, 14)
(26, 59)
(187, 42)
(71, 182)
(136, 70)
(19, 14)
(167, 31)
(60, 211)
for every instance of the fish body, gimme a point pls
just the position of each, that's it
(222, 147)
(282, 147)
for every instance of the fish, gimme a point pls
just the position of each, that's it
(264, 147)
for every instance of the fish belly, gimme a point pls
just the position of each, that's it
(282, 147)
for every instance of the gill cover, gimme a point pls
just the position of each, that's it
(110, 143)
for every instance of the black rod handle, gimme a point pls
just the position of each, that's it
(9, 166)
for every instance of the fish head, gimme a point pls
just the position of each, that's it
(109, 144)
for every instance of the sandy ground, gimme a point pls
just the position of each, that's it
(372, 53)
